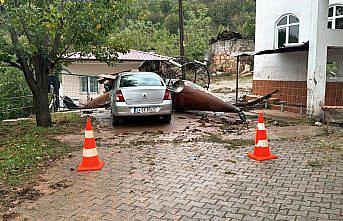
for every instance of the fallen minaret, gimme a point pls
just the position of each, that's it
(189, 96)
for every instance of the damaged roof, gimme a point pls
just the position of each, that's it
(289, 48)
(225, 36)
(132, 55)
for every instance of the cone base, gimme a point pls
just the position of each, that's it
(88, 168)
(261, 158)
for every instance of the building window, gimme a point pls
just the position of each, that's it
(335, 17)
(332, 71)
(287, 31)
(89, 84)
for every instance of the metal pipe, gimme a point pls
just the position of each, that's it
(175, 63)
(237, 76)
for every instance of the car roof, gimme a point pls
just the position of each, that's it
(137, 72)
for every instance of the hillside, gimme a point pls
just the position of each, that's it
(153, 24)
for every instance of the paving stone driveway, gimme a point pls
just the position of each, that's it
(190, 178)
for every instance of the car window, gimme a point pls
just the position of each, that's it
(135, 80)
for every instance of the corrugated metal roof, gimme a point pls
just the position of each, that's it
(132, 55)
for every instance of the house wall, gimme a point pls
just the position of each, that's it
(71, 87)
(286, 66)
(333, 2)
(290, 80)
(71, 83)
(221, 61)
(287, 72)
(268, 13)
(335, 38)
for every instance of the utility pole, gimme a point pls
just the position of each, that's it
(181, 21)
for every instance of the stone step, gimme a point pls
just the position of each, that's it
(294, 109)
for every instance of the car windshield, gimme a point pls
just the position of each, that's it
(135, 80)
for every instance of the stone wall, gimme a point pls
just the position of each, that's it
(220, 59)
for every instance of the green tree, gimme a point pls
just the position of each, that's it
(146, 36)
(203, 19)
(198, 31)
(236, 15)
(15, 100)
(36, 35)
(166, 6)
(172, 23)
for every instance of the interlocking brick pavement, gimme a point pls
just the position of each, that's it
(198, 180)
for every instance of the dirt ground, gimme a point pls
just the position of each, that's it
(226, 89)
(195, 168)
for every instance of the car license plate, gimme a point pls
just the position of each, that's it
(145, 110)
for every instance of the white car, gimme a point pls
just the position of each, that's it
(140, 94)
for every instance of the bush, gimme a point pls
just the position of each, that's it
(12, 86)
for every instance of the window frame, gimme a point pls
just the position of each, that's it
(89, 85)
(333, 18)
(141, 75)
(338, 74)
(287, 27)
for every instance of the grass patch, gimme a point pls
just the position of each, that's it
(25, 148)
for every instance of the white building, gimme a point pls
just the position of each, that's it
(298, 43)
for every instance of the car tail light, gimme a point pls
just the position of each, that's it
(120, 96)
(167, 95)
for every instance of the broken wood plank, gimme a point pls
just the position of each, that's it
(256, 101)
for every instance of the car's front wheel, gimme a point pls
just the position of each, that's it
(115, 121)
(166, 118)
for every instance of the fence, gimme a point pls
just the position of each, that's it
(15, 107)
(79, 88)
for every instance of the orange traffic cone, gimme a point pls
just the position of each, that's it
(90, 158)
(261, 149)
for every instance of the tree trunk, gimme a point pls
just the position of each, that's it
(40, 94)
(43, 116)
